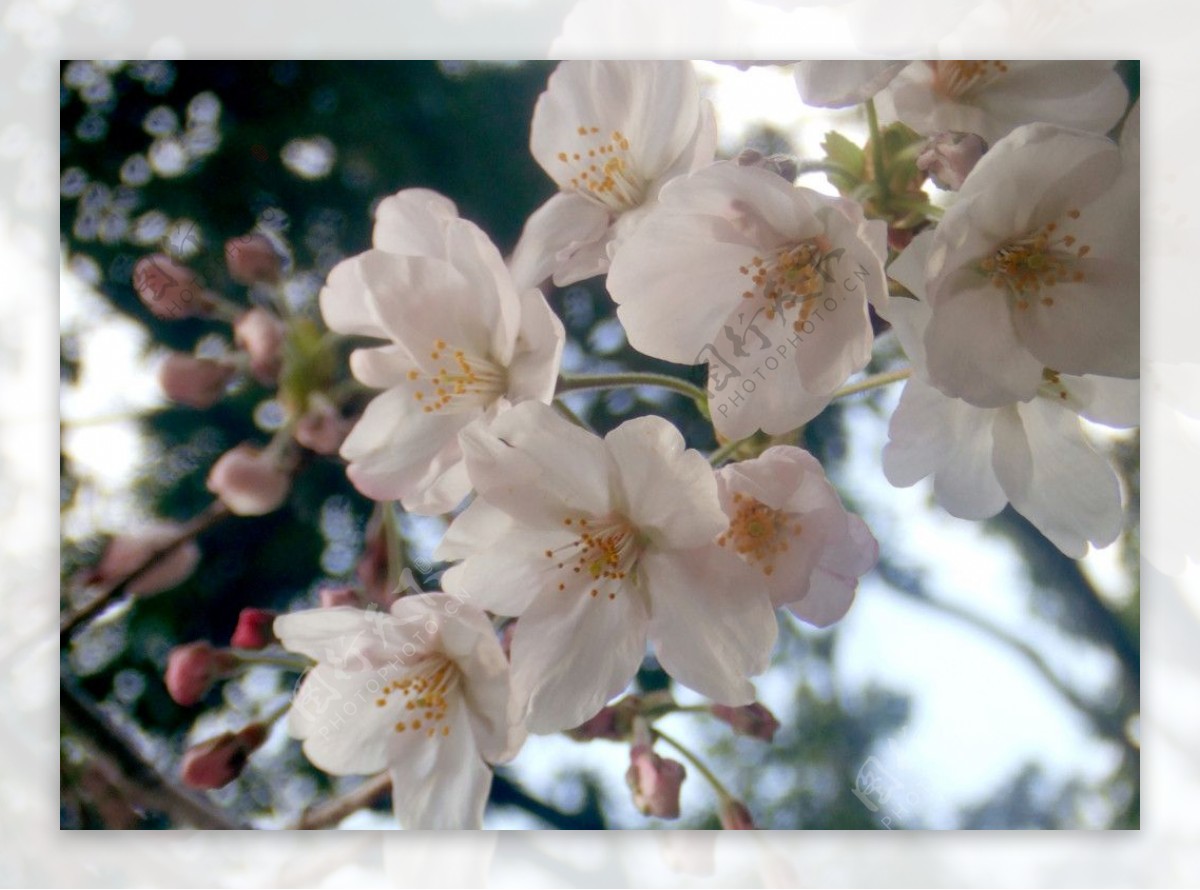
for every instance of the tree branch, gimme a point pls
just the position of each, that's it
(140, 781)
(209, 517)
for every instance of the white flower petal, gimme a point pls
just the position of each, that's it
(1073, 496)
(441, 783)
(413, 222)
(711, 623)
(572, 652)
(563, 238)
(537, 466)
(839, 84)
(668, 492)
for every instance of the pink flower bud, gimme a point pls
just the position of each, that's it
(949, 157)
(261, 334)
(218, 761)
(613, 722)
(252, 259)
(125, 554)
(655, 782)
(735, 816)
(170, 289)
(254, 629)
(249, 481)
(372, 568)
(752, 720)
(332, 597)
(779, 164)
(193, 668)
(322, 428)
(195, 382)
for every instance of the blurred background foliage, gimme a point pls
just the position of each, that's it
(182, 156)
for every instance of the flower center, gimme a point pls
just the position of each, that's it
(604, 556)
(425, 691)
(1031, 265)
(954, 80)
(464, 382)
(758, 533)
(794, 274)
(601, 169)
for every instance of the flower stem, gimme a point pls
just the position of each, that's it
(722, 792)
(719, 456)
(873, 382)
(575, 382)
(285, 660)
(877, 151)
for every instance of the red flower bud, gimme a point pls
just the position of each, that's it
(218, 761)
(655, 782)
(126, 553)
(254, 629)
(261, 334)
(252, 259)
(752, 720)
(322, 428)
(192, 669)
(949, 158)
(170, 289)
(249, 481)
(195, 382)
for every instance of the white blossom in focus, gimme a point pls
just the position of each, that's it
(1035, 266)
(1033, 454)
(767, 283)
(609, 134)
(422, 691)
(466, 345)
(787, 521)
(992, 98)
(598, 545)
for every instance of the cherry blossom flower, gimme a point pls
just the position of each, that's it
(466, 344)
(992, 98)
(787, 521)
(767, 283)
(1035, 267)
(838, 84)
(422, 691)
(599, 544)
(609, 134)
(1033, 454)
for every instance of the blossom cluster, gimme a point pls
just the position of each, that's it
(574, 554)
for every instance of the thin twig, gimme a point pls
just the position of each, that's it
(140, 781)
(209, 517)
(333, 811)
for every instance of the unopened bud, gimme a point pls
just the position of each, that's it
(780, 164)
(735, 816)
(249, 481)
(218, 761)
(254, 629)
(655, 782)
(193, 668)
(333, 597)
(322, 428)
(125, 554)
(170, 289)
(261, 335)
(195, 382)
(949, 157)
(613, 722)
(252, 259)
(752, 720)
